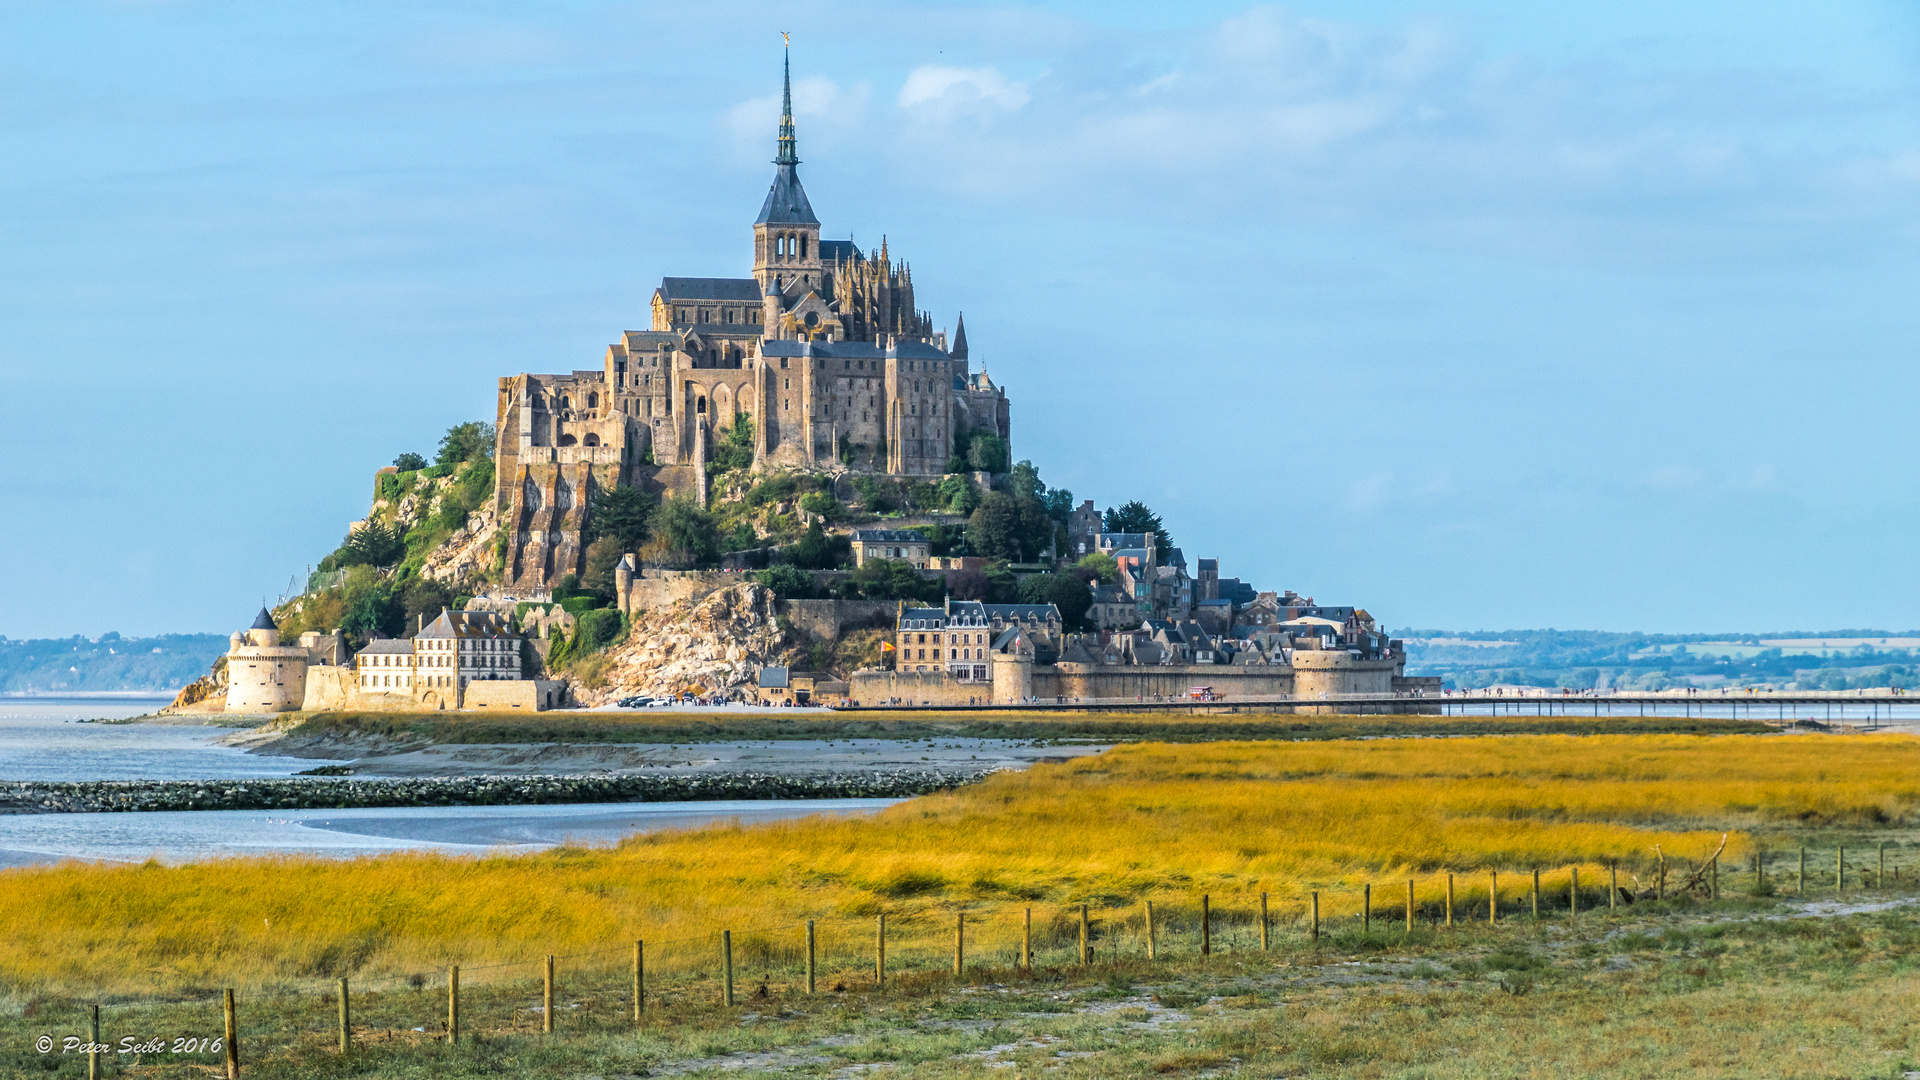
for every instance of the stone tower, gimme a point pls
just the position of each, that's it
(264, 676)
(786, 235)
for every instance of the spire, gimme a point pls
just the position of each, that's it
(959, 350)
(786, 201)
(787, 155)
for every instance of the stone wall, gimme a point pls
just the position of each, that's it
(1148, 682)
(916, 688)
(527, 695)
(825, 619)
(1329, 673)
(657, 590)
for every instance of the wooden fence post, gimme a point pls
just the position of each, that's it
(1713, 879)
(1152, 953)
(93, 1045)
(1536, 893)
(1493, 897)
(1660, 883)
(1086, 937)
(1449, 901)
(726, 959)
(1613, 887)
(810, 967)
(546, 1000)
(1026, 938)
(1800, 887)
(1263, 922)
(1839, 870)
(640, 978)
(346, 1021)
(233, 1037)
(1366, 908)
(959, 942)
(1316, 916)
(1409, 905)
(453, 1004)
(880, 951)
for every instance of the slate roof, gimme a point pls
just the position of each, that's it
(263, 621)
(832, 251)
(773, 678)
(888, 536)
(732, 290)
(786, 200)
(1023, 612)
(387, 646)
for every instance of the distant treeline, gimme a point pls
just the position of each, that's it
(1585, 659)
(108, 662)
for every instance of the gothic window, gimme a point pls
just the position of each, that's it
(803, 247)
(699, 404)
(591, 440)
(593, 401)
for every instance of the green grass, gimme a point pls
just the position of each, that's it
(1739, 987)
(1089, 726)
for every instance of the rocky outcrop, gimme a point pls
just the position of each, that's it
(716, 644)
(41, 797)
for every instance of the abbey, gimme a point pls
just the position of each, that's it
(821, 350)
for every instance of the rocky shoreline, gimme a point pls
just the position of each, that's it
(48, 797)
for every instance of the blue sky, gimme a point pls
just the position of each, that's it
(1480, 315)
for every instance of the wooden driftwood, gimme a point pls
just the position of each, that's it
(1695, 882)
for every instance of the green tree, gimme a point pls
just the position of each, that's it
(374, 613)
(818, 551)
(596, 629)
(734, 449)
(987, 452)
(424, 597)
(466, 442)
(1005, 527)
(625, 515)
(1024, 481)
(409, 462)
(788, 582)
(372, 544)
(1098, 566)
(688, 531)
(892, 579)
(957, 495)
(1063, 591)
(603, 556)
(1134, 517)
(1001, 585)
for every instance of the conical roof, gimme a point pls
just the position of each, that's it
(959, 350)
(263, 621)
(786, 201)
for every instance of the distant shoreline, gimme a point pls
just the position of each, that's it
(90, 695)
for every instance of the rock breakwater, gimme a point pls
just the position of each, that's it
(44, 797)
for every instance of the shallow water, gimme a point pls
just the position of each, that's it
(176, 836)
(43, 739)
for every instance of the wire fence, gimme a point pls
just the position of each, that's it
(620, 985)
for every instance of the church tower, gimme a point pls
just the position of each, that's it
(786, 235)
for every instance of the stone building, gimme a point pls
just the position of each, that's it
(890, 544)
(822, 349)
(264, 676)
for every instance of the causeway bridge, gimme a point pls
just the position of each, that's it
(1870, 708)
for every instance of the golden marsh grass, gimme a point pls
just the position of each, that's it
(1147, 821)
